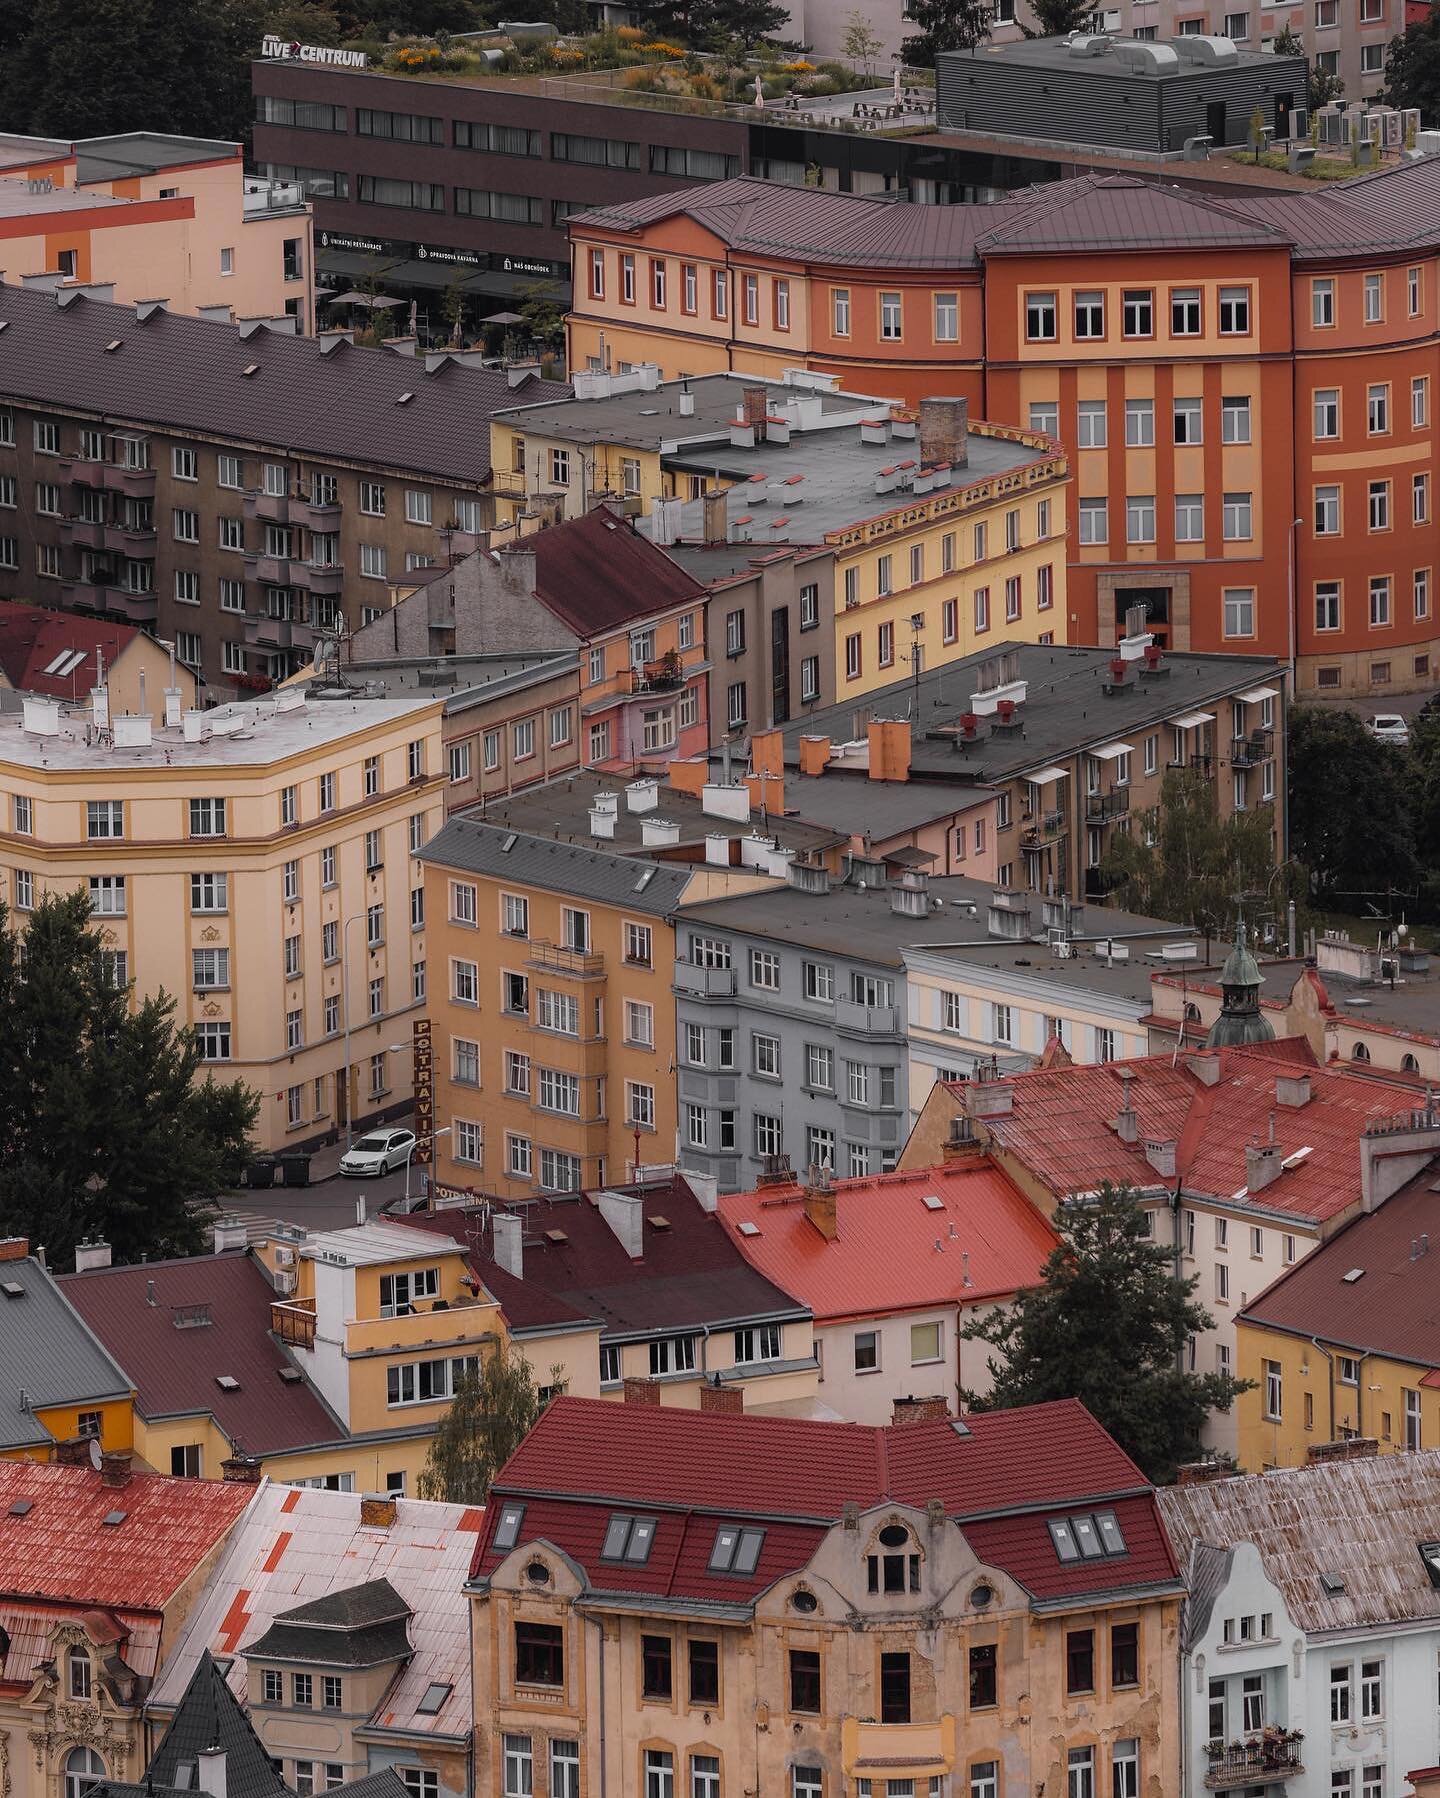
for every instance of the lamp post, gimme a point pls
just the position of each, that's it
(435, 1136)
(345, 1001)
(390, 1049)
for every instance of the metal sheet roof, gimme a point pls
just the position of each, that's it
(48, 1354)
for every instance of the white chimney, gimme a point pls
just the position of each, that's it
(133, 730)
(717, 849)
(606, 802)
(228, 1233)
(193, 724)
(755, 852)
(665, 520)
(90, 1255)
(210, 1771)
(41, 717)
(507, 1234)
(642, 795)
(718, 801)
(290, 699)
(100, 707)
(706, 1188)
(659, 832)
(687, 403)
(173, 708)
(602, 824)
(625, 1214)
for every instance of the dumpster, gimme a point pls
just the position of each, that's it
(294, 1170)
(261, 1171)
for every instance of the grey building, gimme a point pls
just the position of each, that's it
(1133, 94)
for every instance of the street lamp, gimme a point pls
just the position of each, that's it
(435, 1136)
(390, 1049)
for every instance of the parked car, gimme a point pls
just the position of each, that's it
(1389, 727)
(378, 1153)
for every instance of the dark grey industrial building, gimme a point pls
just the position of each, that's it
(1127, 93)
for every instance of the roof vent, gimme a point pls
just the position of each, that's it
(746, 1228)
(227, 1382)
(250, 368)
(658, 1222)
(12, 1289)
(405, 399)
(292, 1376)
(22, 1507)
(1332, 1585)
(1355, 1273)
(113, 1519)
(557, 1237)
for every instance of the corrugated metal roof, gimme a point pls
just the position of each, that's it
(47, 1354)
(597, 572)
(471, 847)
(1361, 1520)
(297, 1544)
(1121, 212)
(188, 375)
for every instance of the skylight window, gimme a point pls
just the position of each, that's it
(66, 662)
(933, 1202)
(1430, 1556)
(1332, 1585)
(113, 1518)
(628, 1539)
(434, 1699)
(507, 1531)
(736, 1550)
(1090, 1536)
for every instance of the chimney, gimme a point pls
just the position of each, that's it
(625, 1214)
(820, 1203)
(686, 401)
(1348, 1448)
(210, 1771)
(1201, 1473)
(814, 755)
(228, 1234)
(1264, 1164)
(755, 411)
(641, 1392)
(642, 795)
(989, 1099)
(1161, 1156)
(506, 1241)
(910, 895)
(1292, 1090)
(850, 1514)
(920, 1410)
(72, 1451)
(1205, 1068)
(14, 1248)
(241, 1469)
(1127, 1124)
(1394, 1150)
(888, 740)
(716, 509)
(378, 1509)
(215, 315)
(944, 431)
(90, 1255)
(658, 833)
(115, 1467)
(602, 824)
(150, 1298)
(727, 1399)
(706, 1189)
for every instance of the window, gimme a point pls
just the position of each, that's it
(104, 818)
(1412, 1418)
(1189, 518)
(1092, 521)
(1327, 511)
(947, 318)
(1377, 409)
(925, 1343)
(1080, 1773)
(1089, 315)
(1090, 425)
(1139, 424)
(1045, 417)
(1125, 1768)
(1239, 604)
(1235, 311)
(1236, 518)
(1140, 518)
(1326, 403)
(330, 1693)
(539, 1654)
(518, 1765)
(867, 1351)
(891, 317)
(1137, 312)
(765, 970)
(807, 1782)
(1185, 312)
(659, 1773)
(1322, 303)
(805, 1680)
(1124, 1654)
(1079, 1661)
(1188, 423)
(1380, 600)
(83, 1769)
(1040, 317)
(46, 438)
(1340, 1693)
(751, 292)
(1378, 505)
(1420, 499)
(894, 1688)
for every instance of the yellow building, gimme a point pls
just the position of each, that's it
(715, 1603)
(947, 534)
(257, 862)
(1345, 1344)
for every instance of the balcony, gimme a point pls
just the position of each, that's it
(130, 540)
(1249, 752)
(900, 1751)
(509, 481)
(279, 633)
(1099, 885)
(318, 577)
(1266, 1760)
(665, 676)
(697, 982)
(1048, 828)
(119, 602)
(866, 1020)
(274, 508)
(294, 1324)
(109, 477)
(1205, 763)
(1104, 808)
(84, 533)
(270, 571)
(555, 958)
(315, 514)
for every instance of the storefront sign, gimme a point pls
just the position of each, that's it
(527, 265)
(424, 1149)
(453, 255)
(279, 49)
(434, 252)
(366, 246)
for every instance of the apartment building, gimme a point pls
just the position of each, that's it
(637, 1292)
(678, 1601)
(240, 491)
(1248, 1157)
(255, 861)
(915, 504)
(893, 1267)
(1072, 744)
(1162, 335)
(144, 215)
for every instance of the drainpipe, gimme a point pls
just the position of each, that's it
(599, 1623)
(1315, 1343)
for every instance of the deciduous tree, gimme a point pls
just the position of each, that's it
(1412, 66)
(487, 1421)
(943, 25)
(1351, 808)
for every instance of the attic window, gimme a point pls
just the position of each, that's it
(114, 344)
(933, 1202)
(185, 1776)
(22, 1507)
(1355, 1273)
(66, 662)
(434, 1699)
(292, 1376)
(658, 1222)
(507, 1531)
(1430, 1556)
(746, 1228)
(510, 842)
(1332, 1585)
(227, 1382)
(113, 1519)
(735, 1550)
(628, 1539)
(645, 879)
(1091, 1536)
(250, 368)
(405, 399)
(556, 1236)
(12, 1289)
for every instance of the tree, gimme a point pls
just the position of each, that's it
(1412, 66)
(489, 1417)
(1321, 87)
(1109, 1325)
(105, 1128)
(304, 21)
(544, 313)
(860, 42)
(1181, 860)
(944, 25)
(1055, 17)
(1351, 821)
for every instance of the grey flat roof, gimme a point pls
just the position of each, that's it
(19, 200)
(48, 1352)
(470, 846)
(1084, 969)
(1055, 53)
(716, 562)
(1413, 1003)
(562, 810)
(146, 152)
(466, 680)
(857, 805)
(1065, 707)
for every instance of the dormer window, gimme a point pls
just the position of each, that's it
(628, 1539)
(893, 1566)
(507, 1531)
(1091, 1536)
(736, 1550)
(79, 1664)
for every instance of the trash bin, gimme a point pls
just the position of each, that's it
(261, 1171)
(295, 1170)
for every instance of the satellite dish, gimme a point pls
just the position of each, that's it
(95, 1453)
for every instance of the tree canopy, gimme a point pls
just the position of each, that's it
(1351, 808)
(489, 1417)
(1412, 66)
(1053, 18)
(1110, 1325)
(943, 25)
(105, 1129)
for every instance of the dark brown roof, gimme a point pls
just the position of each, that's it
(691, 1273)
(1393, 1307)
(1122, 212)
(33, 640)
(188, 375)
(597, 572)
(174, 1358)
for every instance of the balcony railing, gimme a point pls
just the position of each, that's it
(871, 1020)
(1249, 752)
(294, 1324)
(112, 477)
(1044, 829)
(704, 983)
(1254, 1763)
(1102, 808)
(555, 958)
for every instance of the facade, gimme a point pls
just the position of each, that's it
(198, 835)
(239, 491)
(1311, 1628)
(99, 1571)
(1162, 335)
(652, 1603)
(893, 1267)
(1249, 1158)
(362, 1596)
(62, 1385)
(62, 655)
(144, 216)
(636, 1292)
(1339, 1354)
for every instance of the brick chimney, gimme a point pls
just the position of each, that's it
(241, 1469)
(920, 1410)
(814, 755)
(72, 1451)
(1348, 1448)
(727, 1399)
(944, 430)
(115, 1467)
(14, 1248)
(820, 1203)
(641, 1392)
(378, 1509)
(1200, 1473)
(888, 740)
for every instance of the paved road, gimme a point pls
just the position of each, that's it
(1407, 704)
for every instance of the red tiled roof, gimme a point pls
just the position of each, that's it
(893, 1251)
(174, 1368)
(690, 1468)
(1060, 1126)
(1394, 1307)
(597, 572)
(691, 1273)
(61, 1548)
(32, 639)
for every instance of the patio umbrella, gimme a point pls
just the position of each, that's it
(370, 301)
(504, 318)
(759, 93)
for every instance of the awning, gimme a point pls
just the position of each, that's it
(1191, 719)
(1257, 693)
(1044, 776)
(1113, 751)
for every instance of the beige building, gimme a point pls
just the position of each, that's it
(257, 862)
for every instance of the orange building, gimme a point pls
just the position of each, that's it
(1244, 384)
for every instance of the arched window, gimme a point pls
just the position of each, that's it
(78, 1662)
(1192, 1013)
(892, 1565)
(1359, 1053)
(83, 1767)
(1409, 1065)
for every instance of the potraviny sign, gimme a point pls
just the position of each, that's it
(279, 49)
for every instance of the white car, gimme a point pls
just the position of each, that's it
(1389, 727)
(378, 1152)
